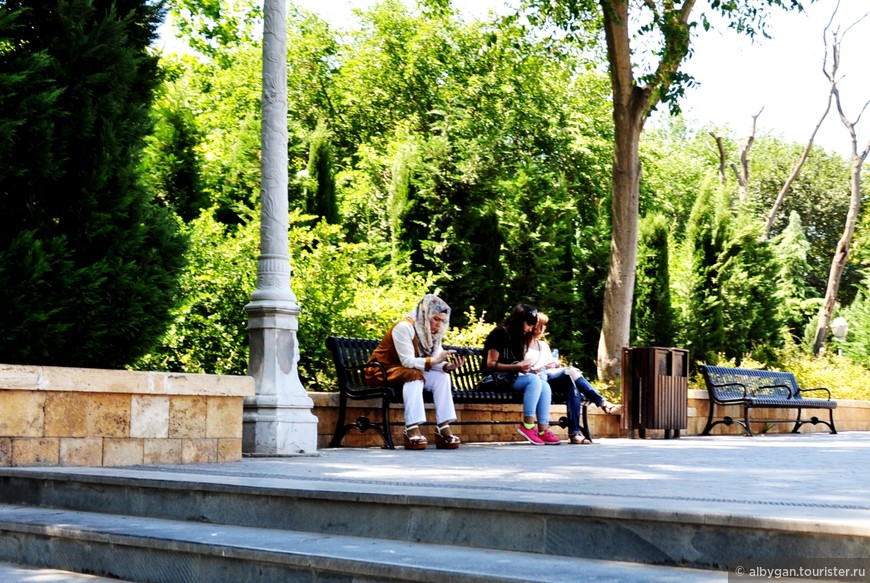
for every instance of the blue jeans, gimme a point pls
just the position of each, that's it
(580, 389)
(536, 397)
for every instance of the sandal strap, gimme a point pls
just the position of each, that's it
(415, 438)
(447, 438)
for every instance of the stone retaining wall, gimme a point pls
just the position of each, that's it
(849, 416)
(93, 417)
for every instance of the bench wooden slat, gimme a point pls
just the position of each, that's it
(761, 389)
(350, 356)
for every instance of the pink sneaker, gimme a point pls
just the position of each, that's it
(530, 434)
(548, 438)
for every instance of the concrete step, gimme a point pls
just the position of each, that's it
(704, 534)
(18, 573)
(161, 550)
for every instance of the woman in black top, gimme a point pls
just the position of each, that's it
(504, 349)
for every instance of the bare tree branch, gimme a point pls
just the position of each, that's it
(793, 174)
(720, 145)
(743, 173)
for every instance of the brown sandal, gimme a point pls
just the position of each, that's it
(611, 409)
(578, 439)
(445, 441)
(414, 441)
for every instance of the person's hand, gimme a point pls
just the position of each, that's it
(444, 356)
(524, 366)
(454, 364)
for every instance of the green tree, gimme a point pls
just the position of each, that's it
(857, 343)
(699, 285)
(170, 162)
(208, 333)
(800, 301)
(321, 202)
(665, 28)
(213, 26)
(752, 309)
(654, 317)
(820, 195)
(88, 264)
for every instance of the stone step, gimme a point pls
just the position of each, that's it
(161, 550)
(700, 535)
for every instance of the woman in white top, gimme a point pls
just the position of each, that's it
(410, 357)
(542, 362)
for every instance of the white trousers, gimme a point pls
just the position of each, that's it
(439, 383)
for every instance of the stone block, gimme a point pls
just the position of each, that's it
(229, 450)
(19, 377)
(208, 385)
(21, 413)
(35, 451)
(5, 451)
(199, 451)
(92, 380)
(108, 415)
(162, 451)
(187, 417)
(123, 452)
(66, 415)
(81, 451)
(149, 416)
(224, 417)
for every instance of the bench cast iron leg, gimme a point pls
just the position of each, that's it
(340, 428)
(710, 423)
(387, 434)
(815, 420)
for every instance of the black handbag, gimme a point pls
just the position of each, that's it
(498, 381)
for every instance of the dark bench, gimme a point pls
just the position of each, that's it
(351, 356)
(761, 389)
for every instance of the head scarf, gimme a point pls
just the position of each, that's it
(430, 306)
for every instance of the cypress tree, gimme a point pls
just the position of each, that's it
(792, 287)
(88, 264)
(170, 162)
(703, 332)
(653, 315)
(321, 169)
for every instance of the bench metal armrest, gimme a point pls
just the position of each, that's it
(788, 389)
(713, 386)
(376, 364)
(816, 389)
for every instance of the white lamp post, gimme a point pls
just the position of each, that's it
(278, 419)
(839, 328)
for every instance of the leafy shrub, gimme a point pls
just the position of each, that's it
(337, 284)
(209, 329)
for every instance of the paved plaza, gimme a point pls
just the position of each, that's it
(814, 482)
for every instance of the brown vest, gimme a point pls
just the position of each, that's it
(386, 354)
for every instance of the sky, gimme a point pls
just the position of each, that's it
(737, 78)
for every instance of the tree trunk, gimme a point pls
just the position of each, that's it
(720, 148)
(842, 252)
(629, 112)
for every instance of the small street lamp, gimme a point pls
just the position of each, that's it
(839, 328)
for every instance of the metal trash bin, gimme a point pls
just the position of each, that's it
(655, 389)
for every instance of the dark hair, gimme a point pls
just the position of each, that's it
(521, 314)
